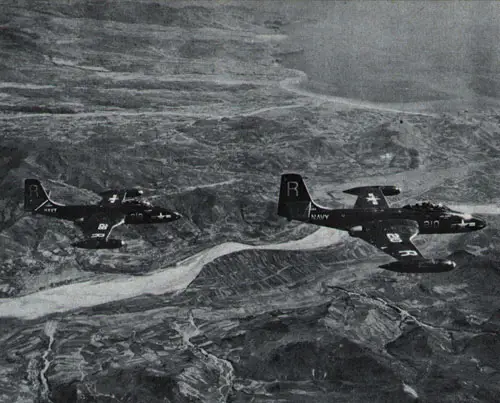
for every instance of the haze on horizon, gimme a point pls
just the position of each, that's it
(389, 51)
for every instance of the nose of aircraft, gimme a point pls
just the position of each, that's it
(480, 224)
(177, 215)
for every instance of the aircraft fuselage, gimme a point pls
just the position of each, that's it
(134, 213)
(429, 222)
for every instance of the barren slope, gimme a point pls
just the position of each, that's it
(188, 101)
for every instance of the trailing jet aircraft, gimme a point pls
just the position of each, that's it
(98, 220)
(371, 219)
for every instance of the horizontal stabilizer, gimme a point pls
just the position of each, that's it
(386, 190)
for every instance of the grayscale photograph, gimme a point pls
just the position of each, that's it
(249, 201)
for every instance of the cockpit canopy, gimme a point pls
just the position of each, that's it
(427, 206)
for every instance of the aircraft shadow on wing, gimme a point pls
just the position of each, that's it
(371, 219)
(98, 220)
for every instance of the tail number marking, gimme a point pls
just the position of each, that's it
(50, 210)
(295, 188)
(372, 199)
(102, 227)
(431, 224)
(408, 253)
(97, 235)
(393, 237)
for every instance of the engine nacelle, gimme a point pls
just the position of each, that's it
(99, 244)
(386, 190)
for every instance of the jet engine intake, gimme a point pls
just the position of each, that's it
(355, 230)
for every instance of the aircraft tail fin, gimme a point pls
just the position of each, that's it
(34, 195)
(294, 199)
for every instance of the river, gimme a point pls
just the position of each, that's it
(395, 51)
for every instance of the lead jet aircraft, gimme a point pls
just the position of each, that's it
(98, 220)
(371, 219)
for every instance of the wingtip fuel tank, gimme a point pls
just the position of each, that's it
(99, 244)
(391, 190)
(421, 266)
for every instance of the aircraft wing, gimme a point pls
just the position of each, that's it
(97, 229)
(369, 197)
(99, 226)
(392, 237)
(113, 197)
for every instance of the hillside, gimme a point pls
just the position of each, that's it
(189, 102)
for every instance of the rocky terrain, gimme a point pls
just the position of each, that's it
(189, 101)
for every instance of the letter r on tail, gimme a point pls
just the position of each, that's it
(292, 185)
(294, 200)
(34, 194)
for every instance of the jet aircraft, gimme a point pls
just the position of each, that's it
(98, 220)
(371, 219)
